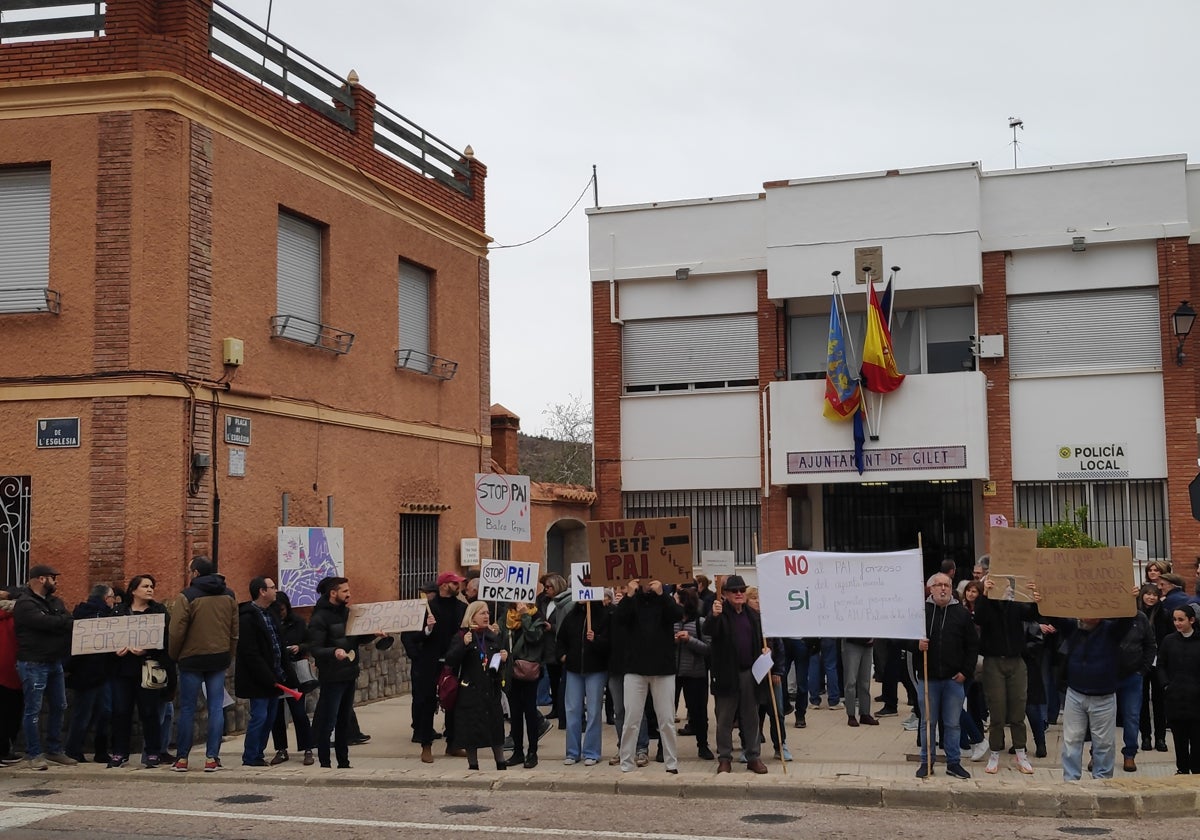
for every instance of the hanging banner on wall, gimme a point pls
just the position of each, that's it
(305, 556)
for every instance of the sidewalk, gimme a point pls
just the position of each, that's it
(834, 764)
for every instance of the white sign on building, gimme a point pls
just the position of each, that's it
(1092, 460)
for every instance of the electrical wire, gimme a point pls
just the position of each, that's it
(552, 227)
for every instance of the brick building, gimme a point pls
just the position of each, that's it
(235, 291)
(1033, 317)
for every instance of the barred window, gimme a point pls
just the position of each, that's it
(1114, 512)
(722, 520)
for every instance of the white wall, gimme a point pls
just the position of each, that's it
(1114, 201)
(934, 410)
(1099, 267)
(692, 441)
(1048, 413)
(709, 236)
(1193, 200)
(698, 295)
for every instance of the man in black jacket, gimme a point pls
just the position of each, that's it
(735, 631)
(949, 648)
(446, 612)
(258, 668)
(43, 628)
(87, 676)
(648, 618)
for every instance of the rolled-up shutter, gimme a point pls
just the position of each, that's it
(1099, 330)
(414, 308)
(674, 351)
(24, 238)
(298, 285)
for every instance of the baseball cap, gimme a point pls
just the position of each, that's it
(42, 570)
(429, 586)
(449, 577)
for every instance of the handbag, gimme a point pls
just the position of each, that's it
(447, 688)
(154, 675)
(306, 680)
(526, 670)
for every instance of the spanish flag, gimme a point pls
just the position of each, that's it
(842, 394)
(879, 371)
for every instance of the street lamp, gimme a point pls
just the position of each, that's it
(1182, 320)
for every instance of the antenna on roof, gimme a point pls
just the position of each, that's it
(1014, 123)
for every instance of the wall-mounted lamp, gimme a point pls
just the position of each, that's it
(1078, 243)
(682, 273)
(1182, 320)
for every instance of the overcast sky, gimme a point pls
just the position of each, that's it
(677, 99)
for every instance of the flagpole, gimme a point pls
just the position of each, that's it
(872, 427)
(891, 308)
(840, 302)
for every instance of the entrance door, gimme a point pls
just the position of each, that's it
(888, 517)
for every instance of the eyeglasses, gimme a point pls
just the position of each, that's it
(736, 591)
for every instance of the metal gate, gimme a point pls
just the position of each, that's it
(418, 552)
(889, 516)
(15, 494)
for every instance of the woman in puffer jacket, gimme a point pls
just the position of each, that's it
(692, 668)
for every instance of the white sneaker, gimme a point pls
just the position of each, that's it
(912, 723)
(1023, 763)
(570, 761)
(589, 762)
(993, 765)
(979, 751)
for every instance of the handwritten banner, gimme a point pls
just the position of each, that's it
(108, 635)
(816, 593)
(388, 616)
(1014, 562)
(581, 584)
(621, 550)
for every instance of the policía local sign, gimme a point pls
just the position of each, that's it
(1092, 460)
(502, 507)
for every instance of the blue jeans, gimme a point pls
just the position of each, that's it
(1098, 713)
(189, 689)
(262, 718)
(946, 702)
(38, 680)
(826, 661)
(92, 706)
(1129, 712)
(795, 652)
(166, 717)
(585, 696)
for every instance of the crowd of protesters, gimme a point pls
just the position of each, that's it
(990, 674)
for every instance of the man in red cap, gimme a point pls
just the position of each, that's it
(446, 611)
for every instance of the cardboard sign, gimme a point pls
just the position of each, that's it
(643, 549)
(1085, 582)
(507, 580)
(108, 635)
(581, 583)
(1014, 563)
(388, 616)
(817, 593)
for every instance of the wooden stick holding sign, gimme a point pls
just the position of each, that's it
(775, 709)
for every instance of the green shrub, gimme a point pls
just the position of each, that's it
(1070, 533)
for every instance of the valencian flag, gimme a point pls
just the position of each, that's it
(842, 394)
(879, 371)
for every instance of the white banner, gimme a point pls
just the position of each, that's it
(825, 594)
(507, 580)
(143, 631)
(388, 616)
(502, 507)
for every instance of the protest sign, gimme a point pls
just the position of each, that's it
(816, 593)
(1085, 582)
(507, 580)
(502, 507)
(640, 549)
(1013, 564)
(581, 583)
(143, 631)
(388, 616)
(716, 563)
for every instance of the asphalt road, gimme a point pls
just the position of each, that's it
(210, 808)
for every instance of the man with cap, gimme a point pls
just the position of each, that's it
(735, 631)
(43, 626)
(446, 612)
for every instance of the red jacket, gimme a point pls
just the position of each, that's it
(8, 648)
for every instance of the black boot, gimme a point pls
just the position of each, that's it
(704, 752)
(518, 758)
(530, 760)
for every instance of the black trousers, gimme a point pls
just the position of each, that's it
(12, 708)
(1187, 745)
(424, 699)
(695, 699)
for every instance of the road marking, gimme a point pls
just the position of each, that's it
(457, 828)
(16, 816)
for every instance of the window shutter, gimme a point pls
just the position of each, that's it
(1100, 330)
(24, 238)
(414, 308)
(298, 286)
(720, 348)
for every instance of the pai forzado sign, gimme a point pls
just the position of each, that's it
(508, 580)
